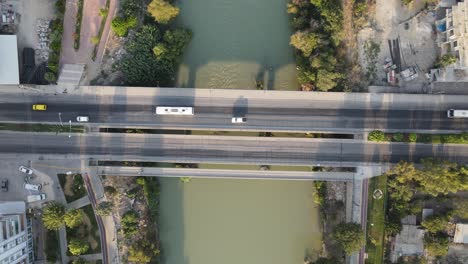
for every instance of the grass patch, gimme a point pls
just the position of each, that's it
(79, 21)
(376, 220)
(41, 128)
(87, 231)
(379, 136)
(151, 191)
(72, 186)
(52, 247)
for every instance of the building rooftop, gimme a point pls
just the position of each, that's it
(9, 69)
(7, 208)
(461, 234)
(408, 243)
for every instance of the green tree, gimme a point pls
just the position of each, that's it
(436, 244)
(350, 237)
(440, 177)
(176, 40)
(305, 41)
(121, 25)
(160, 50)
(162, 11)
(376, 135)
(435, 223)
(104, 208)
(129, 223)
(412, 137)
(326, 80)
(73, 218)
(77, 246)
(53, 216)
(446, 60)
(398, 137)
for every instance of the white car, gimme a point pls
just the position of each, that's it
(33, 187)
(25, 170)
(237, 120)
(36, 198)
(82, 118)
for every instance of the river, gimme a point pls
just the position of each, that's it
(214, 221)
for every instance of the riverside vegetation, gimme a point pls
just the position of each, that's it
(318, 33)
(153, 50)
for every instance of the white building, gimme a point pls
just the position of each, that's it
(461, 234)
(15, 234)
(9, 68)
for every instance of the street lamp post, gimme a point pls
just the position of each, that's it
(60, 118)
(69, 133)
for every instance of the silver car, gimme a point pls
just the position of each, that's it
(25, 170)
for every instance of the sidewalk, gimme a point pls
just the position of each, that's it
(83, 201)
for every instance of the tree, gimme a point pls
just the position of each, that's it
(305, 41)
(176, 40)
(350, 237)
(436, 244)
(130, 223)
(440, 177)
(461, 208)
(121, 25)
(326, 80)
(73, 218)
(162, 11)
(104, 208)
(446, 60)
(77, 246)
(53, 216)
(435, 223)
(160, 50)
(377, 136)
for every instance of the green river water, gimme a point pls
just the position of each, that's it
(217, 221)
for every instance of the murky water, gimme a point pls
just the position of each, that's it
(236, 42)
(213, 221)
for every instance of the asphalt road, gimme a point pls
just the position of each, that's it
(264, 115)
(248, 150)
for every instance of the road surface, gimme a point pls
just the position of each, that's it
(226, 149)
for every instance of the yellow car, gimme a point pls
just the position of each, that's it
(39, 107)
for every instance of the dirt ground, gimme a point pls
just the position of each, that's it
(413, 26)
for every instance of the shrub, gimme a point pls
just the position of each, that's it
(103, 12)
(446, 60)
(412, 137)
(121, 25)
(350, 237)
(95, 40)
(377, 136)
(436, 244)
(130, 223)
(398, 137)
(110, 190)
(104, 208)
(50, 77)
(162, 11)
(77, 246)
(435, 223)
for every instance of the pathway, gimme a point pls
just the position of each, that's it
(83, 201)
(88, 257)
(89, 28)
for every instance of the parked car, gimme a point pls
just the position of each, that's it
(239, 120)
(4, 185)
(33, 187)
(39, 107)
(25, 170)
(36, 198)
(82, 118)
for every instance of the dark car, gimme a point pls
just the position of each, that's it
(5, 185)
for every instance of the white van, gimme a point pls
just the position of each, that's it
(237, 120)
(169, 110)
(457, 113)
(33, 187)
(36, 198)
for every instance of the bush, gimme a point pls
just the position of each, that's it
(95, 40)
(77, 246)
(110, 190)
(412, 137)
(103, 12)
(121, 25)
(320, 192)
(162, 11)
(130, 223)
(350, 237)
(377, 136)
(398, 137)
(446, 60)
(104, 208)
(436, 245)
(435, 223)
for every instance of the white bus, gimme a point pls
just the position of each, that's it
(457, 113)
(169, 110)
